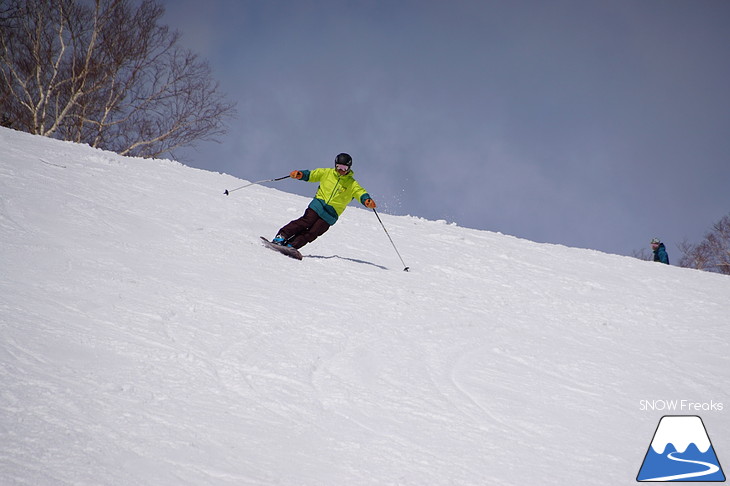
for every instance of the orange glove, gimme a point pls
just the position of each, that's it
(370, 203)
(296, 174)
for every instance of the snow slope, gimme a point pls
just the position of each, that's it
(148, 338)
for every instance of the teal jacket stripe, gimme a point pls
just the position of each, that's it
(324, 210)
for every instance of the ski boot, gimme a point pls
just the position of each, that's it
(281, 241)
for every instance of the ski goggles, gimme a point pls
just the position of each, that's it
(342, 167)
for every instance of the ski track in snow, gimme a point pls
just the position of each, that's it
(149, 338)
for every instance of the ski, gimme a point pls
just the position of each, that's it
(284, 250)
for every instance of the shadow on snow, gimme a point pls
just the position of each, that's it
(348, 259)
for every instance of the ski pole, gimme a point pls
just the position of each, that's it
(257, 182)
(405, 269)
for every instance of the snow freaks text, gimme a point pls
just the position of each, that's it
(683, 406)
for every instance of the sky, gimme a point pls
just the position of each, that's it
(591, 124)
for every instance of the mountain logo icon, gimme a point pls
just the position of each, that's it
(680, 451)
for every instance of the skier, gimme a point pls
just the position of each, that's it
(660, 252)
(337, 187)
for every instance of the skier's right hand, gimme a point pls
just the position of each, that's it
(296, 174)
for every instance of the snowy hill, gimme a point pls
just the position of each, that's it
(148, 338)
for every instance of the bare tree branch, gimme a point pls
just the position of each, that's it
(104, 72)
(712, 254)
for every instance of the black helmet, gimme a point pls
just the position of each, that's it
(344, 159)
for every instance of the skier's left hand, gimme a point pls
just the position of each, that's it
(370, 203)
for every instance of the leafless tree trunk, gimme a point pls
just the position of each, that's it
(103, 72)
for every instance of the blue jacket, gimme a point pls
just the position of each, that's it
(660, 254)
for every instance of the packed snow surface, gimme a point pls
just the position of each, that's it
(149, 338)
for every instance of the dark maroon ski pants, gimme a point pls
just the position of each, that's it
(305, 229)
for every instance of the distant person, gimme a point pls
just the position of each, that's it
(337, 187)
(660, 252)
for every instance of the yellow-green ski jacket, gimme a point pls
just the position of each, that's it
(334, 193)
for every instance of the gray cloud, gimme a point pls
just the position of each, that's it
(592, 124)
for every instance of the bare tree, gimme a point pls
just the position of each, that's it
(713, 252)
(104, 72)
(642, 254)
